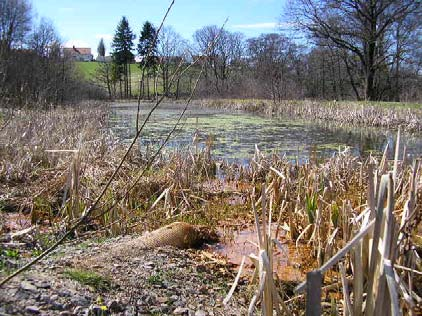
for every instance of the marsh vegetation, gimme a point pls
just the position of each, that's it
(318, 203)
(329, 190)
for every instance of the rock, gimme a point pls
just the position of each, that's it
(28, 286)
(115, 307)
(45, 298)
(174, 298)
(22, 234)
(96, 310)
(181, 311)
(66, 313)
(43, 285)
(162, 299)
(80, 300)
(32, 309)
(64, 293)
(200, 313)
(56, 305)
(131, 311)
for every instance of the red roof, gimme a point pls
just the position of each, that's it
(77, 50)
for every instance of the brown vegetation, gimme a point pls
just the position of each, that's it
(320, 203)
(348, 113)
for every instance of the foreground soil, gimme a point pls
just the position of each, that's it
(161, 281)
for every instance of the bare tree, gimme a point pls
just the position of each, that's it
(357, 26)
(274, 59)
(107, 75)
(43, 38)
(172, 50)
(15, 23)
(221, 57)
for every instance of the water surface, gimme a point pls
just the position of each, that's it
(233, 135)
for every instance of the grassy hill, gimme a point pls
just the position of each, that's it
(88, 69)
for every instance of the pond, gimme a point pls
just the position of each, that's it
(233, 135)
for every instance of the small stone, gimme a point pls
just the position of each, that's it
(45, 298)
(181, 311)
(43, 285)
(200, 313)
(32, 309)
(64, 293)
(28, 286)
(162, 299)
(66, 313)
(80, 300)
(136, 259)
(131, 311)
(115, 307)
(57, 305)
(96, 310)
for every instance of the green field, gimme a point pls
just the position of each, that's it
(88, 69)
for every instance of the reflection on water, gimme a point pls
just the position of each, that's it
(234, 135)
(289, 263)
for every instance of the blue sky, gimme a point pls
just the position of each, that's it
(83, 22)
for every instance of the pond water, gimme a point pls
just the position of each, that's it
(289, 262)
(233, 135)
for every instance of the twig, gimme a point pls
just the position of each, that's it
(236, 281)
(88, 211)
(333, 260)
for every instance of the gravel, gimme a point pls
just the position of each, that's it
(161, 281)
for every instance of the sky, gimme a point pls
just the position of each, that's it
(84, 22)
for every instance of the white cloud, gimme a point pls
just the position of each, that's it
(264, 25)
(76, 43)
(106, 37)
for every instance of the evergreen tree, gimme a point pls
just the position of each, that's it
(122, 52)
(147, 49)
(101, 48)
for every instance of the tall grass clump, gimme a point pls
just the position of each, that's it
(360, 218)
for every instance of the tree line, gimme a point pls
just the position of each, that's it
(352, 49)
(33, 69)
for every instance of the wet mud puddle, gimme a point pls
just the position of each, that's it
(290, 263)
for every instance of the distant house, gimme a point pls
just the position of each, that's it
(78, 54)
(106, 59)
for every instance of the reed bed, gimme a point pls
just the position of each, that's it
(53, 163)
(42, 146)
(409, 117)
(361, 219)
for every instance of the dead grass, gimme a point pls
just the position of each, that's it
(344, 113)
(53, 163)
